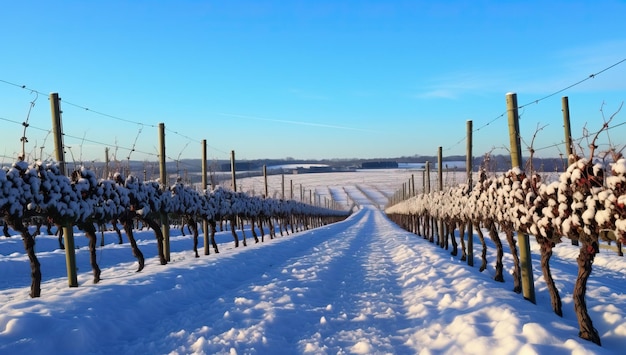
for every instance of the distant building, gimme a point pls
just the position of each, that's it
(239, 166)
(312, 169)
(379, 165)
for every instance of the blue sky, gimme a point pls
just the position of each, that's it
(306, 79)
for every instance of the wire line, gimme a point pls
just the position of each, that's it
(591, 76)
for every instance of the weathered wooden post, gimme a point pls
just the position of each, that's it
(440, 168)
(106, 163)
(232, 170)
(568, 139)
(68, 232)
(427, 179)
(432, 221)
(468, 168)
(568, 132)
(265, 179)
(440, 225)
(205, 223)
(57, 128)
(282, 185)
(528, 286)
(404, 192)
(165, 223)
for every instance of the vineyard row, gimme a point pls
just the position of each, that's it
(585, 205)
(40, 192)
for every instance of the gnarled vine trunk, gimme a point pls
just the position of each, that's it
(90, 233)
(158, 233)
(254, 235)
(127, 223)
(462, 227)
(271, 227)
(483, 254)
(213, 226)
(546, 253)
(233, 231)
(260, 223)
(493, 233)
(243, 231)
(450, 231)
(29, 247)
(517, 272)
(585, 261)
(193, 228)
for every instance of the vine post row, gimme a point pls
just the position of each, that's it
(516, 161)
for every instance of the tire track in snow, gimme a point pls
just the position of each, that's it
(369, 312)
(348, 306)
(185, 314)
(262, 290)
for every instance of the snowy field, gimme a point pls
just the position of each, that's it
(377, 185)
(361, 286)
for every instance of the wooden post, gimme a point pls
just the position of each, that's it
(568, 132)
(413, 185)
(58, 130)
(568, 139)
(440, 168)
(265, 179)
(282, 185)
(468, 168)
(427, 180)
(165, 223)
(440, 185)
(528, 286)
(427, 191)
(68, 232)
(514, 136)
(232, 170)
(106, 163)
(291, 189)
(212, 176)
(205, 223)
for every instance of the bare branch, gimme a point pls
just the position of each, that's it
(529, 163)
(593, 146)
(616, 154)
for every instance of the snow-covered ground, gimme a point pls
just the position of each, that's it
(380, 184)
(359, 286)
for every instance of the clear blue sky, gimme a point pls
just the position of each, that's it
(306, 79)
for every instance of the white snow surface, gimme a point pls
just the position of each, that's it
(360, 286)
